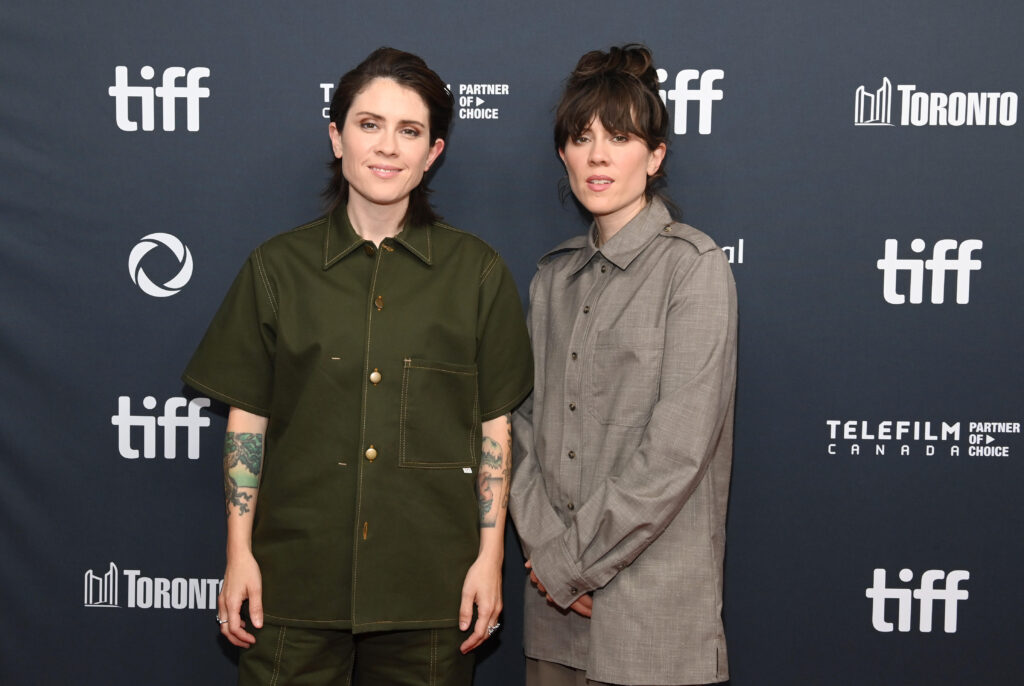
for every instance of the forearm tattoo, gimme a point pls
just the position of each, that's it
(492, 481)
(243, 462)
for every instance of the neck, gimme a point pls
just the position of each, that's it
(610, 224)
(375, 222)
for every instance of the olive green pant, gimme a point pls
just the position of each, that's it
(289, 656)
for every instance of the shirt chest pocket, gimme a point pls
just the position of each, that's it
(439, 420)
(623, 379)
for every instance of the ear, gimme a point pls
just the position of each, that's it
(561, 154)
(332, 131)
(435, 152)
(656, 157)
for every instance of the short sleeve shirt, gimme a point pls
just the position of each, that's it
(376, 367)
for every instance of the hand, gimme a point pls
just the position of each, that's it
(482, 588)
(584, 605)
(242, 581)
(536, 581)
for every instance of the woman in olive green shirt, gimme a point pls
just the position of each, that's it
(370, 359)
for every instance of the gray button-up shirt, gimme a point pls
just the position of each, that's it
(624, 452)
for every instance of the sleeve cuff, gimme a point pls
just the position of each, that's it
(559, 573)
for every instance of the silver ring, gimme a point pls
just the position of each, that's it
(492, 629)
(221, 621)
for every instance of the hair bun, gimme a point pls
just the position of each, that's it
(632, 59)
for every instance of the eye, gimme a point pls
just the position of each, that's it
(620, 138)
(410, 132)
(368, 125)
(581, 139)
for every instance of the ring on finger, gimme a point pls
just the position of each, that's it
(221, 621)
(493, 628)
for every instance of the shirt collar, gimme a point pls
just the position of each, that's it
(629, 242)
(340, 238)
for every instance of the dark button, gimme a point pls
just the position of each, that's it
(571, 506)
(369, 249)
(586, 309)
(573, 356)
(572, 589)
(572, 407)
(379, 302)
(604, 268)
(572, 454)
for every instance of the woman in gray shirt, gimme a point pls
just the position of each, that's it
(624, 452)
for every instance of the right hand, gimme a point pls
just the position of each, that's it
(242, 581)
(584, 605)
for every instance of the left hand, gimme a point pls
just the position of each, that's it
(482, 588)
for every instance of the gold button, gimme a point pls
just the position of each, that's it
(371, 453)
(379, 302)
(375, 376)
(387, 245)
(369, 249)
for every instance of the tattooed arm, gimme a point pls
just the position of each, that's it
(483, 580)
(243, 465)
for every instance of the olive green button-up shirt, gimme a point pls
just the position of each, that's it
(376, 367)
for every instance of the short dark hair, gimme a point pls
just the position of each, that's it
(619, 87)
(409, 71)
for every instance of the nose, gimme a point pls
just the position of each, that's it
(597, 155)
(387, 144)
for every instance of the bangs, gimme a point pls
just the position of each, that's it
(619, 103)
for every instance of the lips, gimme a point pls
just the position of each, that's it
(384, 171)
(598, 183)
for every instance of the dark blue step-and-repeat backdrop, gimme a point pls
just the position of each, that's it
(860, 163)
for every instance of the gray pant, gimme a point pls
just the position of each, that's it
(542, 673)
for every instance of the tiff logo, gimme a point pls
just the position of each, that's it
(171, 421)
(169, 93)
(926, 594)
(101, 591)
(705, 93)
(962, 265)
(874, 109)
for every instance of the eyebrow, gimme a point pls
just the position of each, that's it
(401, 122)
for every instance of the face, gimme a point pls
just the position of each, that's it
(384, 144)
(608, 173)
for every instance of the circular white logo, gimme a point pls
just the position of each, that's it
(139, 277)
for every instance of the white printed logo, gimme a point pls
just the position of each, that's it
(471, 105)
(151, 592)
(169, 93)
(101, 591)
(919, 108)
(874, 109)
(683, 94)
(734, 253)
(927, 593)
(855, 437)
(142, 280)
(171, 421)
(962, 265)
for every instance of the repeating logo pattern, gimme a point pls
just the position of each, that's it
(144, 592)
(172, 285)
(920, 108)
(169, 92)
(926, 594)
